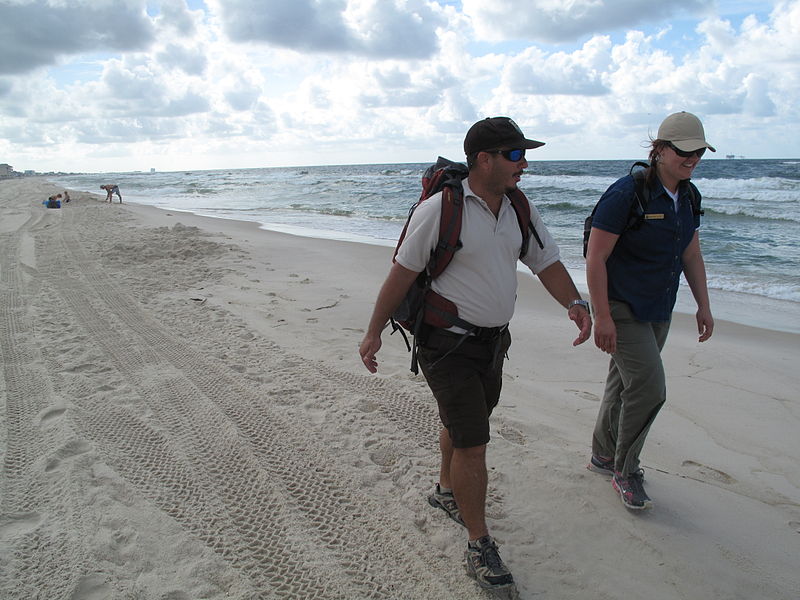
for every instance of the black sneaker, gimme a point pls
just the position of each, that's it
(485, 565)
(631, 490)
(447, 503)
(604, 466)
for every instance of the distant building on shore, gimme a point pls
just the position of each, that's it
(6, 170)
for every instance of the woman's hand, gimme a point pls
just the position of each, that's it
(705, 323)
(605, 334)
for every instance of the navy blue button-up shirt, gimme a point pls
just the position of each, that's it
(645, 266)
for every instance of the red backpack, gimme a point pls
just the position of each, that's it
(421, 304)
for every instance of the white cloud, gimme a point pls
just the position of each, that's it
(372, 28)
(302, 25)
(402, 86)
(247, 83)
(555, 21)
(757, 101)
(735, 73)
(126, 130)
(39, 32)
(579, 73)
(190, 60)
(176, 15)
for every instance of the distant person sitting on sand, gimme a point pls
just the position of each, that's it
(111, 188)
(66, 196)
(53, 201)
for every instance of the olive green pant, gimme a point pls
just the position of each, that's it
(635, 389)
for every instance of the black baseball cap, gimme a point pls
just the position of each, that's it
(494, 133)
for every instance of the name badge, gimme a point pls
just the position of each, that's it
(654, 216)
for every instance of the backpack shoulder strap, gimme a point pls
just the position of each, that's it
(405, 229)
(449, 230)
(522, 208)
(444, 175)
(694, 198)
(641, 194)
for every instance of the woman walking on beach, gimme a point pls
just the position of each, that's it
(633, 267)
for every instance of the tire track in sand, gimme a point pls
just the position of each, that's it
(34, 490)
(230, 467)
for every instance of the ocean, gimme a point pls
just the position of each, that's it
(750, 233)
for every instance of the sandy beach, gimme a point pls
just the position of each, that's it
(185, 416)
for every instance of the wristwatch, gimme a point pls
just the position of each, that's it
(579, 302)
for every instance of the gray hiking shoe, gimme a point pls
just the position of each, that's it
(447, 503)
(485, 565)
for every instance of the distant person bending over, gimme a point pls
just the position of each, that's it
(111, 188)
(465, 372)
(633, 276)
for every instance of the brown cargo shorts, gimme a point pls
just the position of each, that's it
(466, 383)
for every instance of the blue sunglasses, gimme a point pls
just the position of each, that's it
(512, 155)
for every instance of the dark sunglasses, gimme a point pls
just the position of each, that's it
(684, 154)
(512, 155)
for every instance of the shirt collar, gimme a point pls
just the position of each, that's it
(468, 192)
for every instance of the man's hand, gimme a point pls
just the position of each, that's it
(583, 320)
(392, 292)
(368, 349)
(559, 284)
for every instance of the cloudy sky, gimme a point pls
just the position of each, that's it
(122, 85)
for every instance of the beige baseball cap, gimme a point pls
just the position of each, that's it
(685, 131)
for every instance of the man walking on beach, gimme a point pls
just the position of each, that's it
(464, 370)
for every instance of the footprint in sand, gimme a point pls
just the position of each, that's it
(585, 395)
(70, 450)
(709, 473)
(513, 435)
(19, 524)
(50, 415)
(92, 587)
(795, 525)
(176, 595)
(367, 406)
(383, 457)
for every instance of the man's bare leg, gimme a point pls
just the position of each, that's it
(446, 448)
(469, 480)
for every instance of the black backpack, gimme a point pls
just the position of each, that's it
(641, 197)
(421, 304)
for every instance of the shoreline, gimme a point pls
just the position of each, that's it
(733, 300)
(751, 310)
(185, 415)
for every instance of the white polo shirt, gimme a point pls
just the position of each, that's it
(482, 277)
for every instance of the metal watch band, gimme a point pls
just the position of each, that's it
(578, 302)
